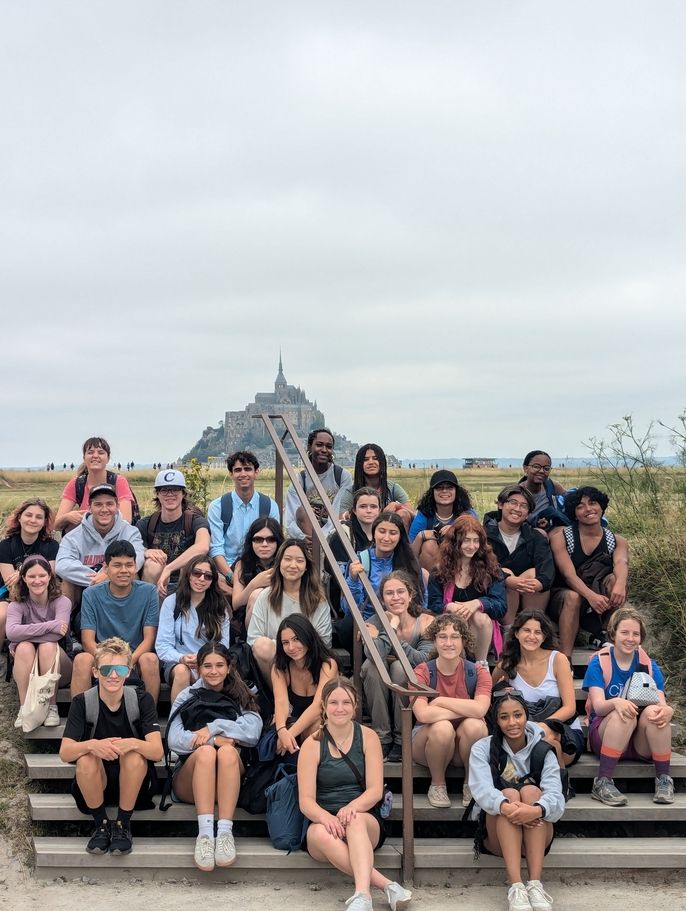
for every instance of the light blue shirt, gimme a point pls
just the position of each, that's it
(230, 545)
(177, 637)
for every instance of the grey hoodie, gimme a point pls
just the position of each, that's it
(84, 547)
(489, 798)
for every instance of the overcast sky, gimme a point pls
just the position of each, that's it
(463, 223)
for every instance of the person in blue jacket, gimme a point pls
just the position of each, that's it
(469, 582)
(437, 509)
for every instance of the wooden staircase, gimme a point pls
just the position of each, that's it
(640, 836)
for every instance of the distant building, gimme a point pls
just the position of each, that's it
(479, 463)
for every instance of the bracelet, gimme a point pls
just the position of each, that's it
(541, 808)
(283, 727)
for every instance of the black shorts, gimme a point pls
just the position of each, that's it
(111, 797)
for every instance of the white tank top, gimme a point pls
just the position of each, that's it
(547, 687)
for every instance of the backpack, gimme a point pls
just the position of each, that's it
(337, 475)
(604, 657)
(112, 481)
(91, 698)
(241, 656)
(469, 675)
(265, 506)
(258, 776)
(285, 822)
(154, 520)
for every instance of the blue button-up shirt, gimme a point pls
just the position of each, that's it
(230, 545)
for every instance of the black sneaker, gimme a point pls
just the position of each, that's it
(386, 749)
(395, 754)
(99, 842)
(120, 839)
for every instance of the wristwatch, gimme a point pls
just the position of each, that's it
(542, 809)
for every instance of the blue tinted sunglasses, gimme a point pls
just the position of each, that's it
(121, 670)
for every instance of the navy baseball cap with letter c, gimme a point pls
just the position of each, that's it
(170, 478)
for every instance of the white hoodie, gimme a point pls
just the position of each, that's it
(84, 547)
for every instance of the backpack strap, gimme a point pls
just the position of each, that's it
(470, 676)
(337, 474)
(433, 673)
(226, 504)
(153, 522)
(549, 487)
(91, 698)
(132, 708)
(265, 505)
(610, 540)
(644, 661)
(569, 538)
(80, 489)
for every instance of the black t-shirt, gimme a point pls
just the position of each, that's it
(14, 551)
(111, 724)
(170, 536)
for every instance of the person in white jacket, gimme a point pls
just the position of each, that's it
(209, 768)
(520, 796)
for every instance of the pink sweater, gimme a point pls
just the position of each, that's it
(31, 622)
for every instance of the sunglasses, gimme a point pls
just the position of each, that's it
(202, 574)
(121, 670)
(506, 693)
(267, 539)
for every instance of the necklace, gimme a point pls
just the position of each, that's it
(340, 743)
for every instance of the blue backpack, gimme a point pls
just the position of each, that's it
(285, 822)
(469, 675)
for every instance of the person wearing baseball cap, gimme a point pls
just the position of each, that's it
(173, 534)
(437, 509)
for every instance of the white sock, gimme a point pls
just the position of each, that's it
(224, 826)
(206, 824)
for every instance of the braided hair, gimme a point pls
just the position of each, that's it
(335, 683)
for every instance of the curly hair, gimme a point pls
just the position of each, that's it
(213, 608)
(459, 625)
(512, 652)
(335, 683)
(234, 686)
(250, 565)
(574, 497)
(483, 566)
(12, 526)
(461, 504)
(20, 590)
(415, 608)
(311, 594)
(244, 456)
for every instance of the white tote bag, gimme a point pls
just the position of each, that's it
(39, 693)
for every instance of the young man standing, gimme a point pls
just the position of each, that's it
(334, 479)
(113, 736)
(231, 515)
(82, 552)
(123, 607)
(173, 534)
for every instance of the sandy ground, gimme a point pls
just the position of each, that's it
(19, 891)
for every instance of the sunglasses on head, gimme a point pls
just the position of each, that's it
(121, 670)
(508, 692)
(202, 574)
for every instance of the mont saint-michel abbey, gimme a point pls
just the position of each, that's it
(288, 400)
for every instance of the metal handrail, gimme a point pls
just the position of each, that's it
(406, 693)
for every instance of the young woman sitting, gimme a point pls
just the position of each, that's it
(366, 506)
(398, 594)
(196, 613)
(519, 805)
(294, 589)
(371, 470)
(210, 768)
(28, 532)
(546, 512)
(340, 783)
(523, 553)
(468, 582)
(252, 572)
(531, 664)
(303, 664)
(437, 509)
(37, 621)
(619, 729)
(450, 723)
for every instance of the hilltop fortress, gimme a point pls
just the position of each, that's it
(241, 430)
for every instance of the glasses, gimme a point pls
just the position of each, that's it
(121, 670)
(515, 504)
(202, 574)
(267, 539)
(536, 467)
(170, 490)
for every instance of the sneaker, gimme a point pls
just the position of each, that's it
(605, 790)
(53, 718)
(386, 749)
(466, 795)
(395, 754)
(18, 721)
(397, 896)
(438, 796)
(204, 853)
(538, 897)
(518, 898)
(99, 842)
(224, 850)
(360, 901)
(664, 789)
(121, 840)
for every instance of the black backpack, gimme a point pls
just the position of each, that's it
(226, 504)
(188, 515)
(112, 481)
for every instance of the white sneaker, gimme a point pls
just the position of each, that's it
(438, 796)
(204, 853)
(360, 901)
(224, 850)
(53, 719)
(18, 721)
(538, 897)
(518, 898)
(397, 896)
(466, 795)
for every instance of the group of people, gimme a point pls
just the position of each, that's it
(127, 599)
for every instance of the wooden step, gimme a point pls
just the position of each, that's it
(61, 808)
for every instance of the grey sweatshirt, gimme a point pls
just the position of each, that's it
(84, 547)
(489, 798)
